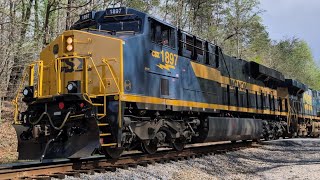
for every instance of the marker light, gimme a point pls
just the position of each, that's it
(61, 105)
(25, 92)
(72, 87)
(28, 91)
(81, 105)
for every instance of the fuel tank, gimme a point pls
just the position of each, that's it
(230, 129)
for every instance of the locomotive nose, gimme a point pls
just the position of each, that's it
(75, 74)
(59, 144)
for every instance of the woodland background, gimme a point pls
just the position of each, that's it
(26, 26)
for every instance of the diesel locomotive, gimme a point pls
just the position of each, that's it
(121, 79)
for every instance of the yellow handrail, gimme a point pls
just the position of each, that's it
(104, 87)
(112, 73)
(15, 101)
(85, 77)
(31, 83)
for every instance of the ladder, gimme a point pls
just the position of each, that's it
(105, 130)
(292, 113)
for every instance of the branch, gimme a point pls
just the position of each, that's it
(2, 23)
(70, 7)
(241, 26)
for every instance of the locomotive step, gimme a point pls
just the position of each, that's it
(76, 116)
(105, 134)
(103, 124)
(96, 104)
(110, 144)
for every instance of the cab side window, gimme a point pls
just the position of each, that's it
(165, 37)
(162, 34)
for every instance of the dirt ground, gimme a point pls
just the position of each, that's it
(8, 143)
(8, 139)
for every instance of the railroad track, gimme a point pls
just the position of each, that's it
(61, 169)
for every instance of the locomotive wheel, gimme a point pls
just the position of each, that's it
(178, 144)
(113, 153)
(150, 146)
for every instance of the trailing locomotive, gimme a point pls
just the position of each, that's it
(121, 79)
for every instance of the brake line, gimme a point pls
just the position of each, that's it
(50, 120)
(47, 145)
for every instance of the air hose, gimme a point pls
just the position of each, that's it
(47, 145)
(50, 120)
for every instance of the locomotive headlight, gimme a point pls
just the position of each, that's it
(74, 86)
(69, 43)
(70, 40)
(69, 47)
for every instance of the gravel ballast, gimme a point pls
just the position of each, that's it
(280, 159)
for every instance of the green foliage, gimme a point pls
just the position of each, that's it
(294, 59)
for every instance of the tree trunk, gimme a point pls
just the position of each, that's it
(68, 20)
(46, 24)
(17, 69)
(36, 20)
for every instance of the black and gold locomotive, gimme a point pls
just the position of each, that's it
(121, 80)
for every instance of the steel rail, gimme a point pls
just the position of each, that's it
(59, 169)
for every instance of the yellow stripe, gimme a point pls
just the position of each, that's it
(212, 74)
(309, 117)
(191, 104)
(204, 106)
(110, 144)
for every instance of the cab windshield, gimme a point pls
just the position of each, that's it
(121, 26)
(115, 27)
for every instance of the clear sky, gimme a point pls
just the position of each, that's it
(294, 18)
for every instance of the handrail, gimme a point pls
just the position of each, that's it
(289, 115)
(104, 87)
(112, 73)
(115, 80)
(31, 83)
(15, 101)
(85, 77)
